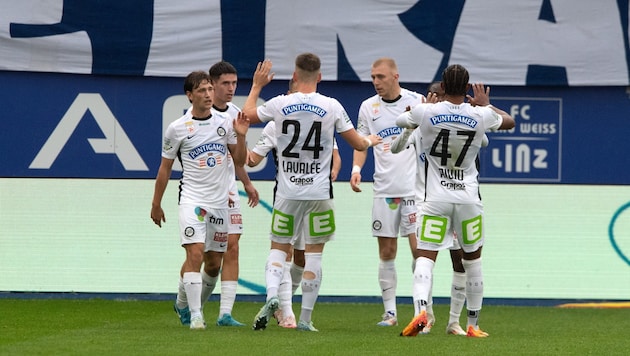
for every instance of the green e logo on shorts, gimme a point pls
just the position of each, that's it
(433, 229)
(282, 224)
(471, 230)
(322, 223)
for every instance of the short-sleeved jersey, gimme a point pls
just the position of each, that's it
(451, 138)
(305, 126)
(415, 140)
(394, 174)
(229, 114)
(201, 146)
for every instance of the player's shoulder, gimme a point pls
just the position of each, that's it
(411, 95)
(233, 108)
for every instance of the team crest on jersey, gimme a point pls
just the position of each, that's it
(376, 109)
(190, 126)
(221, 131)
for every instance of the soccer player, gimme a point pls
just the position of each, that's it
(409, 137)
(224, 78)
(451, 135)
(294, 263)
(201, 142)
(306, 122)
(393, 207)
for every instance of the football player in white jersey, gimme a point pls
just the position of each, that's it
(411, 137)
(393, 208)
(294, 263)
(224, 79)
(201, 143)
(306, 122)
(451, 135)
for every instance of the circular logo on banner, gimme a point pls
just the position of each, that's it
(615, 240)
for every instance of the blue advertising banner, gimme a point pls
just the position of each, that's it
(86, 126)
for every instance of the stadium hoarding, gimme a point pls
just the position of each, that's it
(88, 235)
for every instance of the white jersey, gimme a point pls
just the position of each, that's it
(201, 146)
(451, 138)
(416, 140)
(229, 114)
(305, 129)
(394, 174)
(267, 140)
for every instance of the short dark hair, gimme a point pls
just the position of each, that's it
(308, 64)
(194, 79)
(221, 68)
(455, 78)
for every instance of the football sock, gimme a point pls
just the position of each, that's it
(274, 271)
(228, 295)
(192, 285)
(422, 282)
(296, 276)
(458, 296)
(209, 283)
(311, 282)
(181, 302)
(474, 289)
(387, 280)
(285, 293)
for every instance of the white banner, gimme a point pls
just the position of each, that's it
(527, 42)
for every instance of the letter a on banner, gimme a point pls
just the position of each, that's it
(116, 140)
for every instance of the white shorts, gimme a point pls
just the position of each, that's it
(439, 222)
(235, 224)
(312, 220)
(203, 225)
(391, 216)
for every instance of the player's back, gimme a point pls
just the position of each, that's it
(451, 138)
(305, 127)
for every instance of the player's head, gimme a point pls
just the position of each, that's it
(307, 67)
(198, 89)
(224, 77)
(455, 80)
(436, 88)
(385, 78)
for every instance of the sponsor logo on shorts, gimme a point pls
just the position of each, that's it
(221, 237)
(216, 221)
(189, 231)
(377, 225)
(236, 219)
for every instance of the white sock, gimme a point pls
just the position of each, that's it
(181, 302)
(422, 282)
(388, 281)
(458, 296)
(310, 287)
(274, 271)
(474, 289)
(228, 295)
(296, 277)
(192, 285)
(285, 293)
(209, 283)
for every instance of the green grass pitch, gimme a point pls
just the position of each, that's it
(133, 327)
